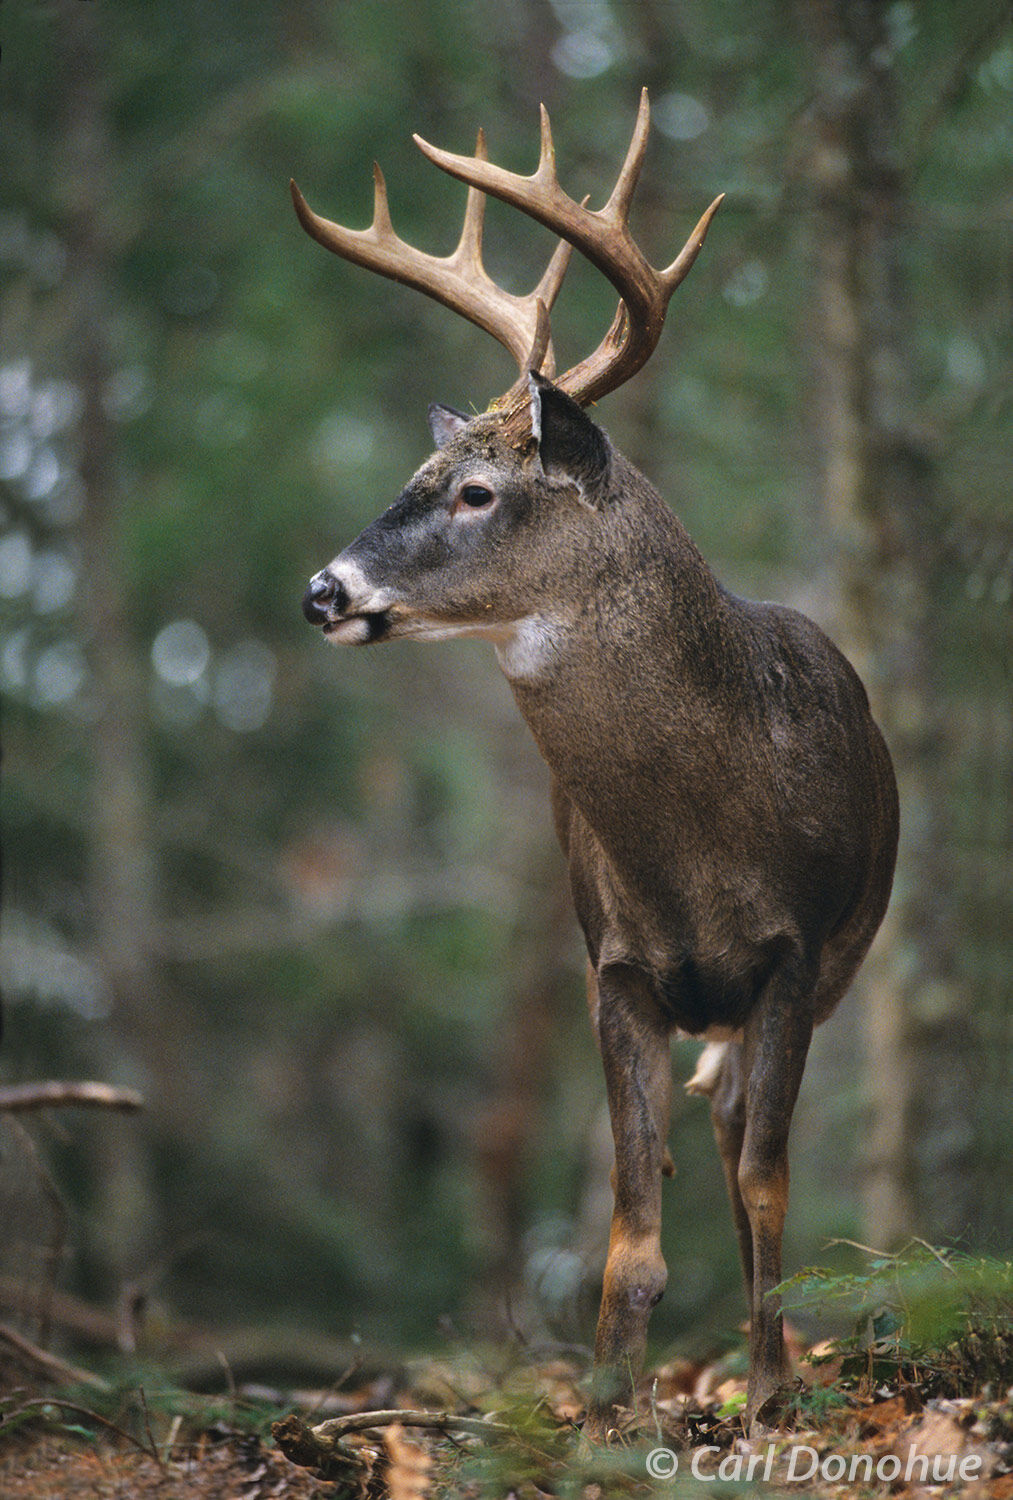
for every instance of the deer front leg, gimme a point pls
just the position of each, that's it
(777, 1038)
(633, 1038)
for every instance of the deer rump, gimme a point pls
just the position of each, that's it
(725, 802)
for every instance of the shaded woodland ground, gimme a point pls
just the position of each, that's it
(916, 1400)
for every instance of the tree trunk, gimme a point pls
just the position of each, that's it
(121, 876)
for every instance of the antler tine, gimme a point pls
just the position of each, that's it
(547, 289)
(381, 225)
(461, 282)
(618, 207)
(547, 152)
(539, 359)
(631, 341)
(678, 270)
(469, 246)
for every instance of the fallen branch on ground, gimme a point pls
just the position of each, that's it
(310, 1446)
(18, 1097)
(47, 1365)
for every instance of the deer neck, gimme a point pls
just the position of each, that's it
(612, 671)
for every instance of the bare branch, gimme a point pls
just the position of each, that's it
(312, 1446)
(47, 1365)
(20, 1097)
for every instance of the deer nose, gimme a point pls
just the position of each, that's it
(324, 599)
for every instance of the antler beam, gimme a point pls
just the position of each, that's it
(603, 237)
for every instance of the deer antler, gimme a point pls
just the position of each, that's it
(603, 237)
(521, 324)
(460, 281)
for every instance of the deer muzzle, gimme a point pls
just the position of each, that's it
(349, 610)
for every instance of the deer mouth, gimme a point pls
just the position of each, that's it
(357, 630)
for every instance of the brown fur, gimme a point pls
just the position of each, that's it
(725, 802)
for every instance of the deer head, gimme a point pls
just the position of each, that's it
(532, 445)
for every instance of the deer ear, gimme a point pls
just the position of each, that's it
(445, 423)
(569, 443)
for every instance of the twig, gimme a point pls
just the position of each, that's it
(654, 1411)
(310, 1446)
(147, 1427)
(229, 1377)
(939, 1254)
(41, 1402)
(48, 1364)
(866, 1249)
(896, 1255)
(18, 1097)
(170, 1441)
(337, 1427)
(335, 1386)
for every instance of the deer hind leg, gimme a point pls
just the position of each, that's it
(776, 1043)
(633, 1038)
(728, 1118)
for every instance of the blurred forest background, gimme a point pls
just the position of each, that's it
(308, 902)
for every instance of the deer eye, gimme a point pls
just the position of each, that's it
(475, 496)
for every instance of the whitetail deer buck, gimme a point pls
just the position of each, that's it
(724, 800)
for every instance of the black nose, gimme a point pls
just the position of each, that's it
(323, 599)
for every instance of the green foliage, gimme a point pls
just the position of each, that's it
(538, 1454)
(734, 1407)
(133, 1406)
(814, 1406)
(944, 1313)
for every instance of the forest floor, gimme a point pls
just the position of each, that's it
(507, 1425)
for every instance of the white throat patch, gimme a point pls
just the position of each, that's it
(529, 647)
